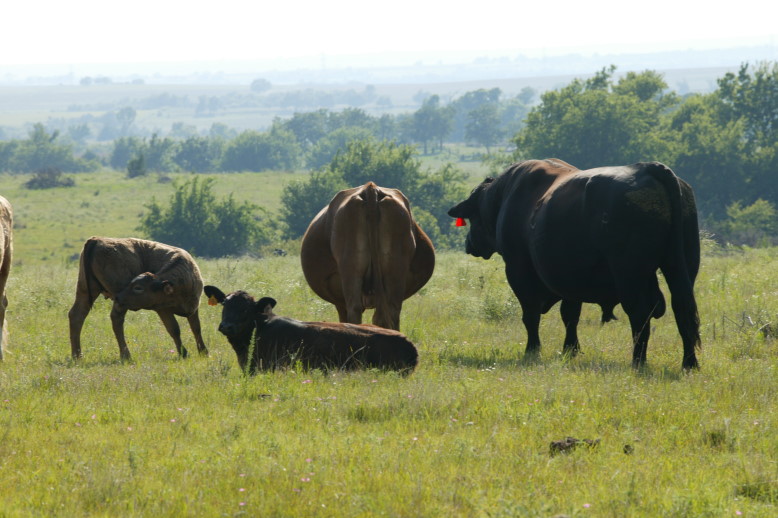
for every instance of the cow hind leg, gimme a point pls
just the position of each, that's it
(173, 329)
(571, 313)
(388, 317)
(117, 322)
(76, 317)
(194, 325)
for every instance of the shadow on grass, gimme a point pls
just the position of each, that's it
(575, 364)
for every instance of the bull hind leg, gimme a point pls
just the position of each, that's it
(174, 330)
(194, 325)
(640, 304)
(531, 320)
(117, 322)
(571, 314)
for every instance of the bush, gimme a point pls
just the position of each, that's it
(48, 179)
(752, 225)
(196, 221)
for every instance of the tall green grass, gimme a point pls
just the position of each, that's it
(467, 434)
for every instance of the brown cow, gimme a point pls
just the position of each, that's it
(137, 274)
(265, 341)
(364, 250)
(6, 251)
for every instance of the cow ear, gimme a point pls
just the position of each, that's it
(463, 209)
(266, 305)
(214, 294)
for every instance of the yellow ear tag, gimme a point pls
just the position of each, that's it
(212, 301)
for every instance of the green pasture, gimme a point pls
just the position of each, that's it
(467, 434)
(52, 224)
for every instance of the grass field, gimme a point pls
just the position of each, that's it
(467, 434)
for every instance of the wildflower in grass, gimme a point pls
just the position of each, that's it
(129, 428)
(172, 420)
(241, 503)
(242, 489)
(305, 479)
(308, 460)
(242, 475)
(587, 506)
(307, 381)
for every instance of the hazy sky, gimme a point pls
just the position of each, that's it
(96, 31)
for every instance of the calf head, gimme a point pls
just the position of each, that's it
(241, 314)
(481, 241)
(146, 291)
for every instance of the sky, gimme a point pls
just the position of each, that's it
(56, 32)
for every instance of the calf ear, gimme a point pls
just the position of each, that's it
(214, 294)
(266, 305)
(167, 287)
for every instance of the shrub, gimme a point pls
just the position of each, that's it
(48, 179)
(196, 221)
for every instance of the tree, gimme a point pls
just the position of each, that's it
(158, 153)
(198, 154)
(42, 151)
(431, 122)
(327, 147)
(124, 149)
(195, 220)
(594, 122)
(255, 151)
(260, 85)
(467, 103)
(484, 126)
(125, 117)
(754, 98)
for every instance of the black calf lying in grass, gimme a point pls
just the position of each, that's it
(265, 341)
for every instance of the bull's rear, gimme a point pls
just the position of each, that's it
(591, 236)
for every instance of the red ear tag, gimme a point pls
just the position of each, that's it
(461, 222)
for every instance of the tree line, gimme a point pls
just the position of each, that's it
(724, 143)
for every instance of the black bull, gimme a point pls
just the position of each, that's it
(591, 236)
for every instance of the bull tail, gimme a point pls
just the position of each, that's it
(682, 262)
(374, 271)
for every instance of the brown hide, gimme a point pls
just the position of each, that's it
(364, 250)
(6, 252)
(108, 266)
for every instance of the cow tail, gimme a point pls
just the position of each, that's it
(373, 217)
(89, 279)
(682, 263)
